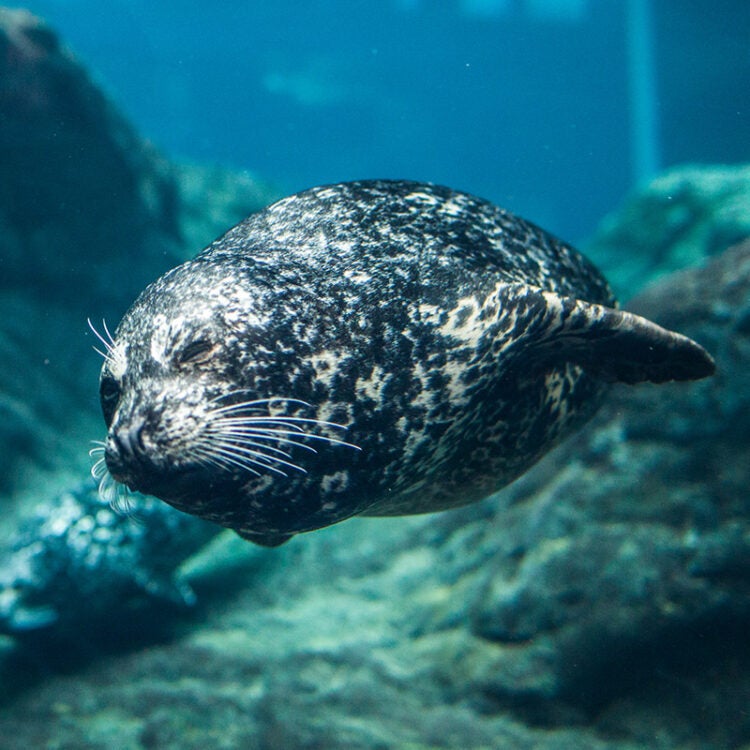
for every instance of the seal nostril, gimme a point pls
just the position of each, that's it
(129, 440)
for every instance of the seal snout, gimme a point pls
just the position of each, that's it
(125, 449)
(129, 441)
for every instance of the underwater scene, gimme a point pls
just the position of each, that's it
(375, 375)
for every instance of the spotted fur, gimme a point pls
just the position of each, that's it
(454, 342)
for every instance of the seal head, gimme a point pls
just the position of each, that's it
(378, 347)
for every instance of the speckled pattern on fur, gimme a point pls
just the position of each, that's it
(455, 341)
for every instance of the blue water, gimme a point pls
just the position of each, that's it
(535, 104)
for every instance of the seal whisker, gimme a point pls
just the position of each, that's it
(244, 439)
(109, 336)
(221, 447)
(110, 353)
(233, 421)
(249, 421)
(207, 457)
(258, 456)
(99, 469)
(258, 402)
(116, 494)
(102, 354)
(248, 436)
(107, 341)
(285, 421)
(279, 435)
(263, 433)
(295, 423)
(241, 459)
(268, 453)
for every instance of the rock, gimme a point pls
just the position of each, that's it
(212, 199)
(86, 205)
(599, 602)
(637, 537)
(684, 216)
(78, 564)
(77, 183)
(89, 214)
(602, 601)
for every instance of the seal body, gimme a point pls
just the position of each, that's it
(454, 342)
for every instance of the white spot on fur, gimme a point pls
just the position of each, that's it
(429, 313)
(325, 364)
(241, 308)
(336, 482)
(159, 337)
(463, 322)
(422, 200)
(358, 277)
(118, 360)
(372, 387)
(452, 208)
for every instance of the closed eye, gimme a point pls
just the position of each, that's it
(196, 352)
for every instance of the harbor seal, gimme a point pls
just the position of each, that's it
(375, 347)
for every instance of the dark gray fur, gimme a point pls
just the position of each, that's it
(455, 341)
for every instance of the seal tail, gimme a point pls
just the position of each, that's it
(611, 344)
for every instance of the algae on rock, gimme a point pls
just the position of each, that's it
(682, 217)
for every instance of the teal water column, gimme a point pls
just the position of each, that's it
(644, 119)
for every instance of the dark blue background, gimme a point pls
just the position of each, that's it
(517, 101)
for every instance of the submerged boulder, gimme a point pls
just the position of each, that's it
(83, 199)
(681, 218)
(636, 532)
(600, 601)
(89, 213)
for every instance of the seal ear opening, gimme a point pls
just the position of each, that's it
(617, 346)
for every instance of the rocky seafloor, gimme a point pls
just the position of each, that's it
(602, 601)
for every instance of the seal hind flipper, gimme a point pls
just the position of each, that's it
(610, 344)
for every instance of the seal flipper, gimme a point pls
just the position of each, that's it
(610, 344)
(164, 588)
(264, 540)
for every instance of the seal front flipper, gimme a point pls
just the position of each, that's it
(264, 540)
(610, 344)
(167, 589)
